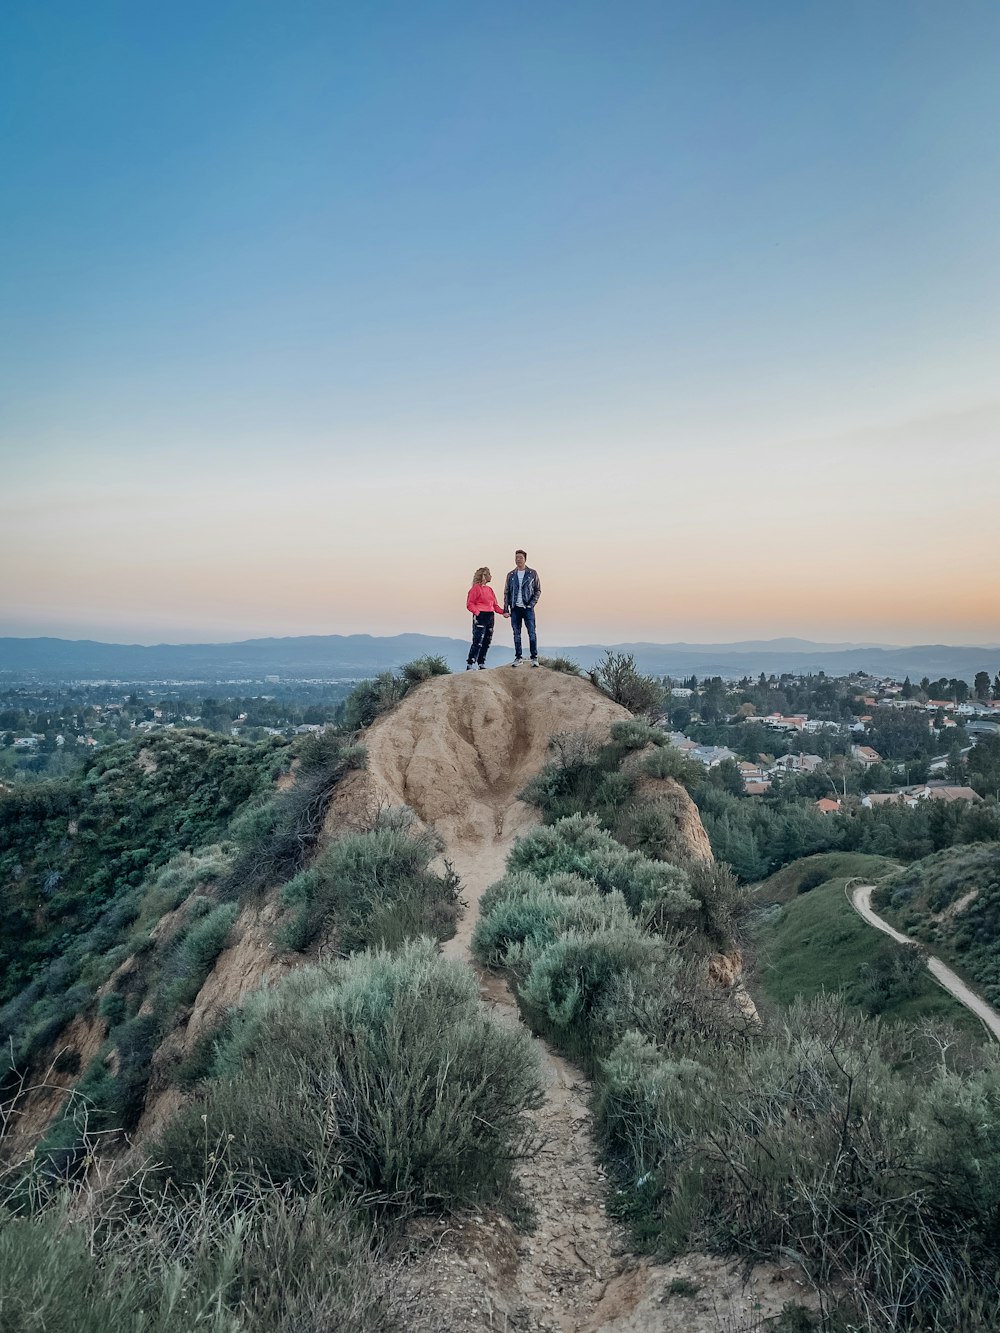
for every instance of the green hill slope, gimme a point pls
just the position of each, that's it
(951, 901)
(812, 941)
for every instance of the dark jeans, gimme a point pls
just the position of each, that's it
(523, 615)
(482, 636)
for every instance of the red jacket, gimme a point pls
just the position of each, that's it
(482, 598)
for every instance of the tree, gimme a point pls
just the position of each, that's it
(981, 685)
(907, 691)
(617, 676)
(900, 733)
(727, 776)
(984, 767)
(955, 767)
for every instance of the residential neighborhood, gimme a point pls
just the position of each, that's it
(929, 737)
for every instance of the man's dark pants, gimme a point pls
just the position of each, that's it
(523, 615)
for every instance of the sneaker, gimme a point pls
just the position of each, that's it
(516, 662)
(470, 666)
(481, 667)
(534, 661)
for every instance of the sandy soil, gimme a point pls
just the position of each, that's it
(861, 900)
(457, 752)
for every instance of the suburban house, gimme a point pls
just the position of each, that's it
(910, 796)
(827, 807)
(710, 755)
(681, 742)
(887, 798)
(944, 792)
(798, 763)
(778, 722)
(865, 755)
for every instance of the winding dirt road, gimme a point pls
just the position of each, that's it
(861, 901)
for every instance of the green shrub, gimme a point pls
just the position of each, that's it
(617, 676)
(292, 933)
(371, 698)
(423, 668)
(668, 762)
(523, 882)
(562, 847)
(326, 751)
(649, 828)
(275, 838)
(636, 734)
(578, 845)
(817, 1139)
(536, 917)
(372, 888)
(568, 980)
(193, 954)
(112, 1008)
(613, 793)
(565, 665)
(198, 1064)
(379, 1074)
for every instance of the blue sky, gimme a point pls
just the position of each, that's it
(288, 289)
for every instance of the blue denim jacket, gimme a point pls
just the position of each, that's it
(531, 591)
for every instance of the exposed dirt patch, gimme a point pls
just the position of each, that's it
(458, 754)
(250, 962)
(690, 838)
(46, 1087)
(957, 907)
(147, 761)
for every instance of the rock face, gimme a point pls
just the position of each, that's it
(690, 840)
(458, 749)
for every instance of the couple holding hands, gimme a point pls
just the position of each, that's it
(521, 591)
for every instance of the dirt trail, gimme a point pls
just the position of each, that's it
(861, 901)
(457, 752)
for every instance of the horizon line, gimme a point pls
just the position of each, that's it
(843, 645)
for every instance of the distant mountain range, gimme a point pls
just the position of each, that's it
(353, 656)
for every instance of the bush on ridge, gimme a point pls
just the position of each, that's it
(381, 1073)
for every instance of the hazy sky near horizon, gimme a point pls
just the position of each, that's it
(306, 310)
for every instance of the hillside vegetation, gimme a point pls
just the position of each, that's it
(72, 850)
(810, 941)
(819, 1132)
(951, 901)
(267, 1011)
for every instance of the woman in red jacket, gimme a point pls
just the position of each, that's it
(483, 604)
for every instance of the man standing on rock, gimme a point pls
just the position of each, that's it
(520, 597)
